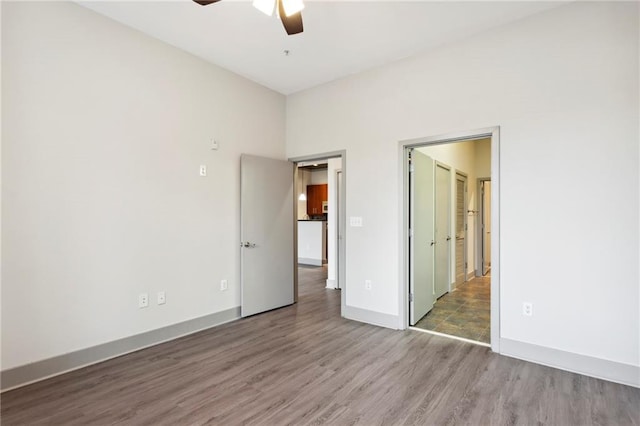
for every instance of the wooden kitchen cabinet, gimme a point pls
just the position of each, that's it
(316, 194)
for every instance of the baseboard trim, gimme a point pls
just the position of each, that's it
(450, 336)
(612, 371)
(331, 283)
(471, 275)
(371, 317)
(41, 370)
(309, 261)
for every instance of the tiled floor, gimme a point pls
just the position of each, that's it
(465, 312)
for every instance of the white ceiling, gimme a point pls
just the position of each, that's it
(340, 37)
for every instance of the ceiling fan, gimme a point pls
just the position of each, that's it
(289, 11)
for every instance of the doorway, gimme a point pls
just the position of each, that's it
(312, 194)
(269, 275)
(321, 220)
(460, 305)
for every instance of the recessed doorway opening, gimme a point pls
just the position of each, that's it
(320, 231)
(450, 204)
(269, 272)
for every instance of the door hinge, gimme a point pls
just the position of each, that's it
(412, 168)
(465, 227)
(410, 233)
(410, 297)
(465, 266)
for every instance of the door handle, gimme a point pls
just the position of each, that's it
(247, 244)
(433, 242)
(448, 238)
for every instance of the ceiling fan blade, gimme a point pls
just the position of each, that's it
(205, 2)
(292, 24)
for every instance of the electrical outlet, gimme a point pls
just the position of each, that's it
(224, 285)
(527, 309)
(367, 284)
(162, 299)
(203, 170)
(143, 300)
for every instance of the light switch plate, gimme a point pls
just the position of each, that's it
(355, 221)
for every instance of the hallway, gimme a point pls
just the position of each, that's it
(464, 312)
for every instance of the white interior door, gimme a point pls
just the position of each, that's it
(442, 266)
(486, 226)
(422, 240)
(266, 234)
(461, 228)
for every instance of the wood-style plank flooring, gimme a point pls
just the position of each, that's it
(305, 365)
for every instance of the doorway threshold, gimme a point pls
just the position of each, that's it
(450, 336)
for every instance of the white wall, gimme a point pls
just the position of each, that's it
(483, 158)
(319, 177)
(563, 86)
(103, 133)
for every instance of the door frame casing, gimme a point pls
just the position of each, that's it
(342, 252)
(340, 228)
(403, 224)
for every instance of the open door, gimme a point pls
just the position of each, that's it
(266, 234)
(486, 226)
(421, 182)
(443, 229)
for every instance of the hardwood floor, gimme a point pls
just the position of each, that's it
(304, 364)
(464, 312)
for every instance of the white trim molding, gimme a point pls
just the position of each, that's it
(309, 262)
(51, 367)
(370, 317)
(612, 371)
(450, 336)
